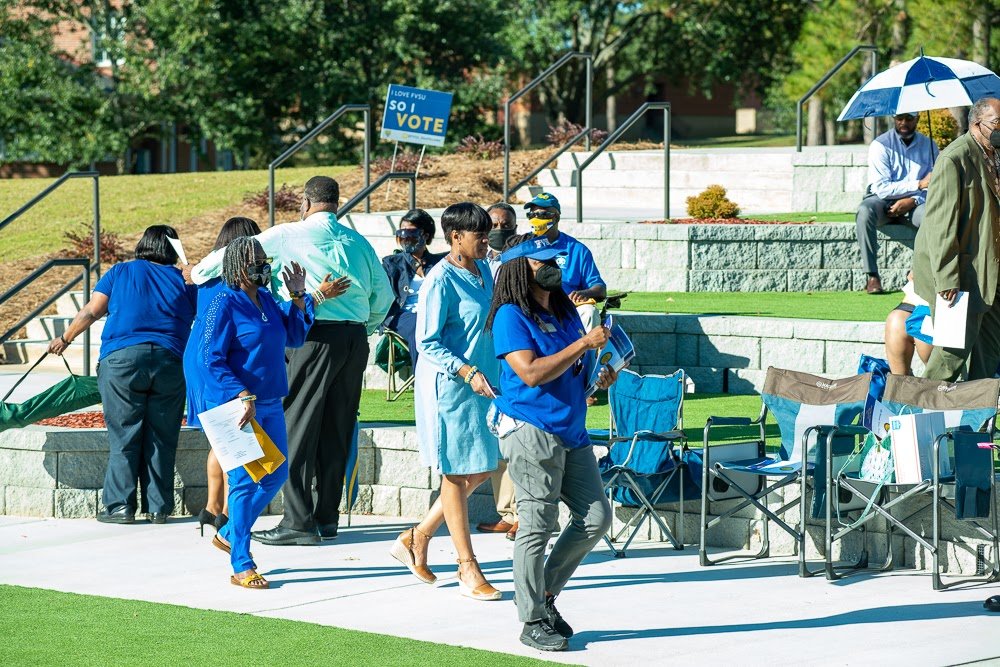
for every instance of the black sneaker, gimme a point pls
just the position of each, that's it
(555, 619)
(542, 636)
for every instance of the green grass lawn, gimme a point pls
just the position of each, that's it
(129, 204)
(846, 306)
(697, 409)
(43, 627)
(805, 217)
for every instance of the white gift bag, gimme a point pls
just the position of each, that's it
(913, 446)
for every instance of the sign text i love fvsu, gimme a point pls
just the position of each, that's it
(416, 115)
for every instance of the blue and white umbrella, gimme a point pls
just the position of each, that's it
(922, 84)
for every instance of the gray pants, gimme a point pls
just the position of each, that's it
(142, 391)
(545, 472)
(873, 213)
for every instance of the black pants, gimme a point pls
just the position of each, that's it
(324, 390)
(142, 390)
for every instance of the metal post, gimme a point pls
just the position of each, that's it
(589, 110)
(666, 163)
(413, 193)
(578, 181)
(270, 197)
(822, 82)
(97, 226)
(86, 332)
(506, 149)
(368, 168)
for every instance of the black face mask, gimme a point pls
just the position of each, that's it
(411, 247)
(548, 277)
(498, 238)
(259, 274)
(995, 138)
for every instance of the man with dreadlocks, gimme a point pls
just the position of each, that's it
(241, 354)
(540, 418)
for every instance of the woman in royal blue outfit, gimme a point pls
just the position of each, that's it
(241, 354)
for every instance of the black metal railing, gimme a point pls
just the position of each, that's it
(534, 83)
(613, 137)
(87, 265)
(384, 178)
(822, 82)
(313, 133)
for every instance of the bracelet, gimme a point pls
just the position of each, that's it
(318, 297)
(247, 399)
(297, 295)
(63, 339)
(471, 374)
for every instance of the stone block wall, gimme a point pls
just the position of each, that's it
(831, 180)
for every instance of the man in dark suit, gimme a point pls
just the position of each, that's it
(958, 246)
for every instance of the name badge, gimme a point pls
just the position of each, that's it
(548, 327)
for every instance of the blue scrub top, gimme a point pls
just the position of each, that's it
(579, 272)
(147, 303)
(558, 407)
(243, 347)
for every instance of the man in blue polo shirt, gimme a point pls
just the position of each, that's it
(581, 280)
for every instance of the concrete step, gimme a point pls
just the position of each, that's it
(23, 352)
(69, 304)
(743, 180)
(682, 159)
(646, 199)
(50, 326)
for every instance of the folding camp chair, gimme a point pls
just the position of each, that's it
(392, 354)
(967, 485)
(642, 468)
(798, 401)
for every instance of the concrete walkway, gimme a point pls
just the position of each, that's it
(655, 607)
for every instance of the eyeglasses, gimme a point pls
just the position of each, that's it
(543, 213)
(992, 123)
(408, 233)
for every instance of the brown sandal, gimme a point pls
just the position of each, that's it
(252, 580)
(484, 591)
(402, 550)
(219, 544)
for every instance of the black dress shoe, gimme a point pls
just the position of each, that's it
(992, 603)
(121, 514)
(157, 517)
(280, 536)
(327, 531)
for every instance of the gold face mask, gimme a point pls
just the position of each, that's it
(541, 221)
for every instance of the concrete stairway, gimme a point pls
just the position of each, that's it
(41, 330)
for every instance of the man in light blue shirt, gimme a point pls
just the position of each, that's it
(899, 170)
(324, 375)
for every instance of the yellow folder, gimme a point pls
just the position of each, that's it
(272, 459)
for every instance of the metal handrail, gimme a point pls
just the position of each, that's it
(588, 120)
(84, 264)
(313, 133)
(393, 175)
(822, 82)
(629, 122)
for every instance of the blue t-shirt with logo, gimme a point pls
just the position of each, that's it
(558, 407)
(579, 272)
(147, 303)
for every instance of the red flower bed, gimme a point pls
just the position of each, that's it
(81, 420)
(719, 221)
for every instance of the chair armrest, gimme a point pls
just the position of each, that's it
(729, 421)
(666, 436)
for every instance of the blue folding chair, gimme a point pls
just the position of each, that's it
(799, 402)
(642, 468)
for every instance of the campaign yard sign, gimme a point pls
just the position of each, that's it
(416, 115)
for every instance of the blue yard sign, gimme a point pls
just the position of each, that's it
(416, 115)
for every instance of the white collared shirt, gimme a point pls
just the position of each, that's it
(895, 169)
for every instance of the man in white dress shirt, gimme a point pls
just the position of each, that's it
(899, 170)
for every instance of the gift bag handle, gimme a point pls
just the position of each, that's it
(33, 367)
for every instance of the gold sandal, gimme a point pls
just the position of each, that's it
(252, 580)
(484, 592)
(402, 550)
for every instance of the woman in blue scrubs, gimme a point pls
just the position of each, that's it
(241, 354)
(541, 421)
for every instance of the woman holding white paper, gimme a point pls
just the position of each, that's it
(541, 422)
(241, 354)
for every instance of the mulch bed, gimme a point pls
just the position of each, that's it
(81, 420)
(720, 221)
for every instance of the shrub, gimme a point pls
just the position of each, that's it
(81, 244)
(558, 135)
(712, 203)
(943, 124)
(478, 148)
(286, 198)
(405, 162)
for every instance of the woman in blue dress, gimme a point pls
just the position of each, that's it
(453, 392)
(241, 354)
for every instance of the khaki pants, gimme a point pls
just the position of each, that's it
(503, 493)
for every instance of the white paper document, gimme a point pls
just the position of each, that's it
(233, 446)
(179, 249)
(949, 321)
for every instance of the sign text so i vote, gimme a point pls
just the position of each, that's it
(415, 115)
